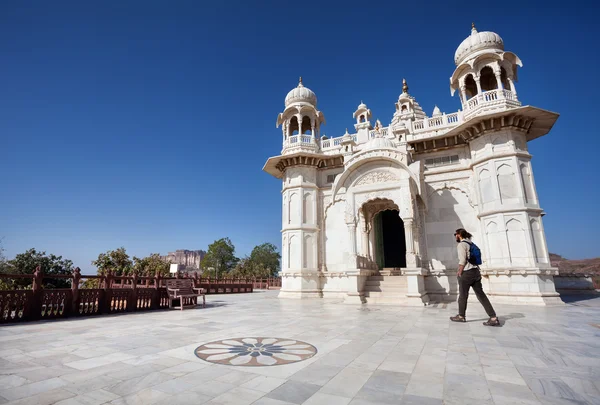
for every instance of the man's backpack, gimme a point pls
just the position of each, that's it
(474, 254)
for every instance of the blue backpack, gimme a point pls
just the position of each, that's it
(474, 254)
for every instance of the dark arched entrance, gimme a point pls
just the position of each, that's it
(390, 242)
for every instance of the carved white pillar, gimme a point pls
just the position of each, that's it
(411, 257)
(463, 95)
(408, 235)
(478, 83)
(299, 118)
(499, 80)
(371, 241)
(512, 87)
(365, 243)
(352, 231)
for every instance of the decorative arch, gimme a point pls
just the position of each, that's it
(514, 224)
(380, 204)
(398, 197)
(487, 59)
(457, 78)
(388, 155)
(488, 78)
(470, 86)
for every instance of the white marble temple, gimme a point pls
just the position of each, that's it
(369, 216)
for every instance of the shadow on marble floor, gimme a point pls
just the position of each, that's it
(579, 298)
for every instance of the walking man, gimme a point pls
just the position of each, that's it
(469, 258)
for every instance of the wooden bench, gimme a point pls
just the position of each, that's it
(184, 291)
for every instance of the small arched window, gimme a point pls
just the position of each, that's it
(306, 126)
(470, 86)
(362, 118)
(404, 109)
(488, 79)
(293, 128)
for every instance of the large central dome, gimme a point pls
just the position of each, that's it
(477, 41)
(301, 94)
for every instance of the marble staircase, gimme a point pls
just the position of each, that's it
(386, 289)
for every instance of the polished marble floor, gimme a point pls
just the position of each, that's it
(365, 355)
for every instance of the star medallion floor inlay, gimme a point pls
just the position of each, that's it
(255, 351)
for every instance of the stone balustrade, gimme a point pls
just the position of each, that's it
(105, 294)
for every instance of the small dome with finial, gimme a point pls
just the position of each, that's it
(436, 111)
(477, 41)
(301, 94)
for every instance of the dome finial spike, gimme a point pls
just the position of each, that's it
(300, 82)
(404, 86)
(473, 29)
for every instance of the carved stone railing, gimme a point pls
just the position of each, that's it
(438, 122)
(334, 143)
(489, 101)
(110, 294)
(297, 143)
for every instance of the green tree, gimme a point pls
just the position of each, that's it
(25, 263)
(150, 265)
(265, 257)
(116, 260)
(220, 258)
(247, 268)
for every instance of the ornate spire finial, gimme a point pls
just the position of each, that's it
(404, 86)
(300, 82)
(473, 29)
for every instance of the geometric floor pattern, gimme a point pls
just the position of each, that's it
(369, 355)
(255, 351)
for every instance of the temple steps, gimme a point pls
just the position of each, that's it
(386, 289)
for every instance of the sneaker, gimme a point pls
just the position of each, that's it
(458, 318)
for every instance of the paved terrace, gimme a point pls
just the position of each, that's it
(366, 355)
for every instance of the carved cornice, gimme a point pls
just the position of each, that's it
(474, 129)
(320, 161)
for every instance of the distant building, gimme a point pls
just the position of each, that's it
(188, 259)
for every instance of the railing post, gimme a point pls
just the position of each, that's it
(75, 290)
(37, 289)
(132, 306)
(156, 294)
(108, 280)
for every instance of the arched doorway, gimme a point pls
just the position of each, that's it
(390, 241)
(386, 241)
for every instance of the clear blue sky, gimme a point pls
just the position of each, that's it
(146, 124)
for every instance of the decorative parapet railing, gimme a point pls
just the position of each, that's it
(488, 101)
(107, 294)
(438, 122)
(335, 143)
(295, 142)
(384, 132)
